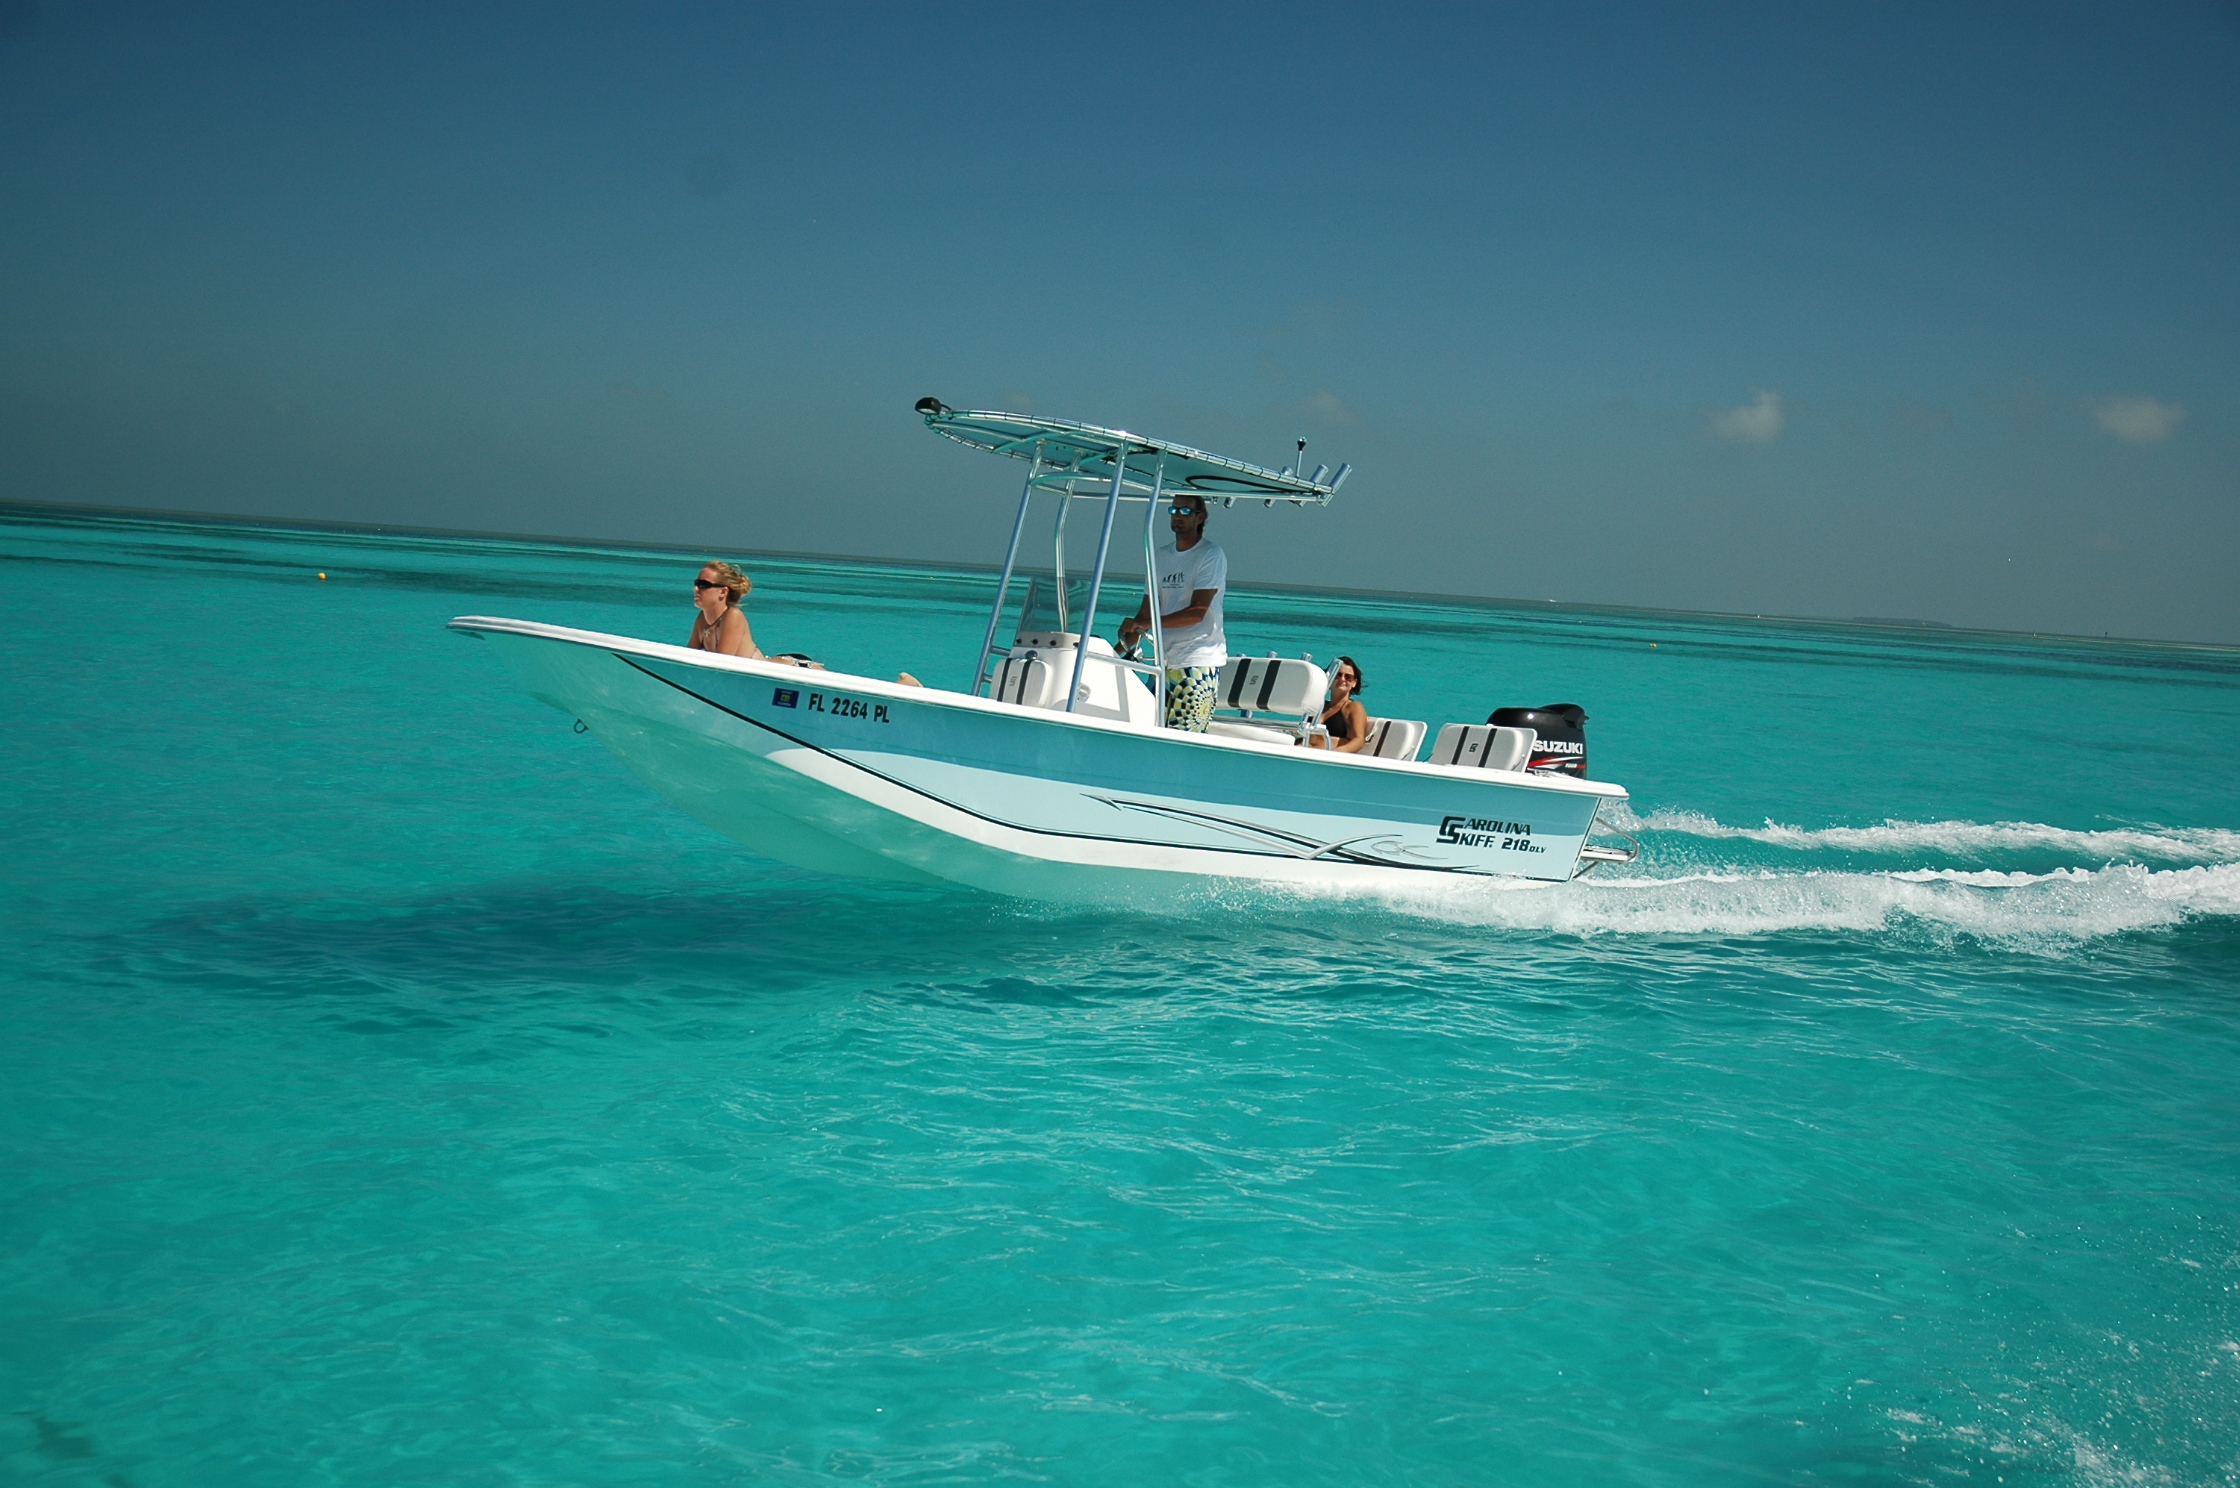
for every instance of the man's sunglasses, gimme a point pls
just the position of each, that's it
(1185, 511)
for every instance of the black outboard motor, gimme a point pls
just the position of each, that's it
(1560, 747)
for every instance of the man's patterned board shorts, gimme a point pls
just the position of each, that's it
(1190, 693)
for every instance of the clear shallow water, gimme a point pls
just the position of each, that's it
(395, 1091)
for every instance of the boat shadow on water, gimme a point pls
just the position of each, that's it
(575, 959)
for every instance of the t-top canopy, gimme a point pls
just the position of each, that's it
(1078, 459)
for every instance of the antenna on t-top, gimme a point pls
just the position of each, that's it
(1298, 461)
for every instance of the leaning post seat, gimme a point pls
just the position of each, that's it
(1475, 746)
(1271, 684)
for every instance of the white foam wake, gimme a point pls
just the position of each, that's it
(1963, 838)
(2063, 907)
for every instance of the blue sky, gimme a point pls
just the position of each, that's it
(1919, 312)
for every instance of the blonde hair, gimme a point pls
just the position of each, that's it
(735, 580)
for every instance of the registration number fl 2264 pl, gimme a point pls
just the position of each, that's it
(847, 707)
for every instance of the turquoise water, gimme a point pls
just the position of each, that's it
(394, 1091)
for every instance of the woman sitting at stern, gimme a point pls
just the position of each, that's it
(721, 625)
(1345, 719)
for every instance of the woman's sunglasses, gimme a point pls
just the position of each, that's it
(709, 584)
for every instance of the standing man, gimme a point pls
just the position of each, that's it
(1192, 574)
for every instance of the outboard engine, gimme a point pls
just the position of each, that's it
(1560, 743)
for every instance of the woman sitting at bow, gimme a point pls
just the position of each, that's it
(721, 625)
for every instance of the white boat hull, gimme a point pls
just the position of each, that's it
(854, 776)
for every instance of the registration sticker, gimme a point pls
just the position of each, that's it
(786, 697)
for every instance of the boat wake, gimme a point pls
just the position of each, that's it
(1973, 840)
(1702, 877)
(2065, 906)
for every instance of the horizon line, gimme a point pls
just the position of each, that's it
(1480, 601)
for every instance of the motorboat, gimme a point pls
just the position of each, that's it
(1052, 777)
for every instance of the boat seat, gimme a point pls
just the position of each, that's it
(1394, 738)
(1028, 681)
(1036, 677)
(1230, 728)
(1271, 684)
(1475, 746)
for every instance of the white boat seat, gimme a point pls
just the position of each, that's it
(1394, 738)
(1508, 749)
(1036, 676)
(1475, 746)
(1028, 681)
(1230, 728)
(1271, 684)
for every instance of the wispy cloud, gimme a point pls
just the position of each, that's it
(1329, 408)
(2138, 420)
(1752, 423)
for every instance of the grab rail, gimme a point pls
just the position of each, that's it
(1593, 857)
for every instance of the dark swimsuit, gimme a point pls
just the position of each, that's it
(1340, 728)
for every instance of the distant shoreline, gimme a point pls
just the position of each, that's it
(1471, 601)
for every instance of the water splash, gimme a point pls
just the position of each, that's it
(2068, 905)
(1676, 892)
(1964, 839)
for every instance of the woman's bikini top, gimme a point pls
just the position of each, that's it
(1340, 727)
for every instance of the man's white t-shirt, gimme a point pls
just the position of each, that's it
(1203, 566)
